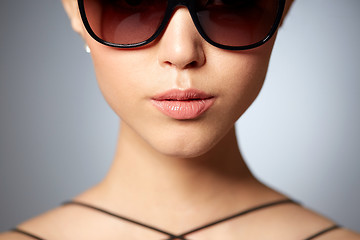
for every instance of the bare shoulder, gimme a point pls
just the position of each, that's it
(42, 226)
(12, 236)
(56, 223)
(340, 233)
(303, 223)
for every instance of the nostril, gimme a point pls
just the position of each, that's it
(192, 64)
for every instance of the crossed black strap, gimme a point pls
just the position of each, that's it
(183, 235)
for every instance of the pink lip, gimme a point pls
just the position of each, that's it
(187, 104)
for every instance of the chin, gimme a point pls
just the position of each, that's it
(187, 146)
(184, 153)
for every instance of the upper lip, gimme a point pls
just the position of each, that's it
(182, 95)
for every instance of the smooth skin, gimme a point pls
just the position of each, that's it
(178, 174)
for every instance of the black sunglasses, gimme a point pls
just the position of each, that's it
(227, 24)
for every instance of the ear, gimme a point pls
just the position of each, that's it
(72, 11)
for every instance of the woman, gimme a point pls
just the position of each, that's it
(177, 165)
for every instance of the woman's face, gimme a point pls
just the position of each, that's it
(135, 81)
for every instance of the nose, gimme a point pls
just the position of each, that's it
(181, 46)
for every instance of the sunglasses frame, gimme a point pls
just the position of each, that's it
(171, 7)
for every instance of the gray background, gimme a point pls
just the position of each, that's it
(302, 135)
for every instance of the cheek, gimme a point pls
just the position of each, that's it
(118, 78)
(240, 77)
(112, 83)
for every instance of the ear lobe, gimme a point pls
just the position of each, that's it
(72, 11)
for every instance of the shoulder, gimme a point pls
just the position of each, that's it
(12, 236)
(43, 225)
(302, 222)
(56, 223)
(340, 233)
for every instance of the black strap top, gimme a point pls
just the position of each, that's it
(182, 236)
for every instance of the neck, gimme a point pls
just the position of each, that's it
(140, 174)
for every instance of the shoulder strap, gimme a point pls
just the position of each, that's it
(323, 232)
(182, 236)
(27, 234)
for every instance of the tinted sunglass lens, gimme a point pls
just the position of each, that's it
(124, 21)
(237, 22)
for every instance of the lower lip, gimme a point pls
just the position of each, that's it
(182, 110)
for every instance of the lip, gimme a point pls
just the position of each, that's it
(183, 104)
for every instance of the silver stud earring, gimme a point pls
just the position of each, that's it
(87, 48)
